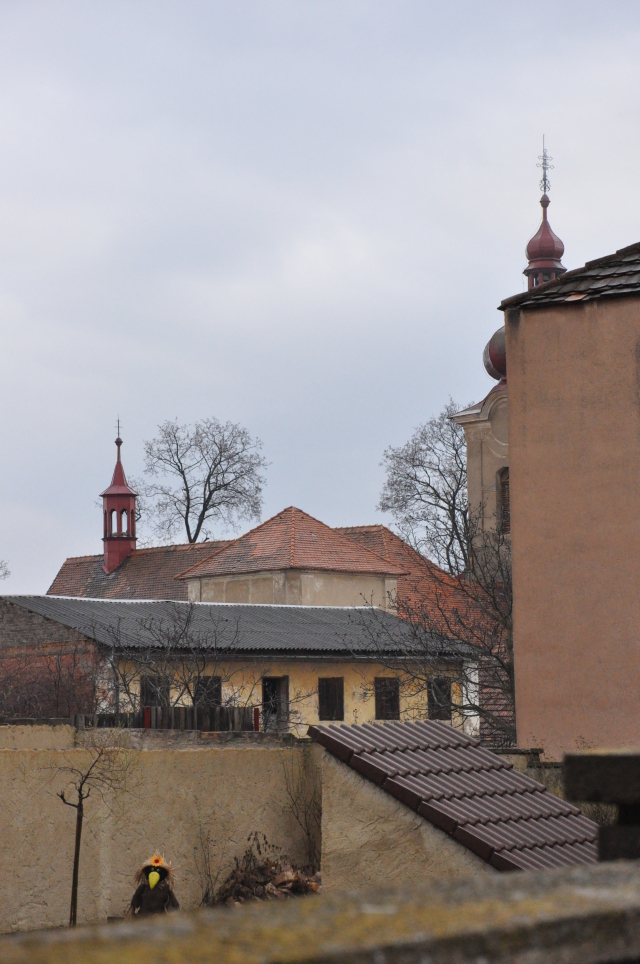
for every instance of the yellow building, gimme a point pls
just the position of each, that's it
(296, 665)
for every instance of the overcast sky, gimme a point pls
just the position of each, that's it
(300, 216)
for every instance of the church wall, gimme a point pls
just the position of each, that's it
(574, 451)
(295, 588)
(487, 438)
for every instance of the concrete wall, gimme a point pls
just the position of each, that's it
(574, 451)
(368, 838)
(296, 588)
(181, 802)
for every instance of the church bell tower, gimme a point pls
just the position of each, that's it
(119, 514)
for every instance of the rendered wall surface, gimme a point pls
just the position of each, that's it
(295, 588)
(242, 681)
(369, 839)
(183, 798)
(574, 452)
(487, 437)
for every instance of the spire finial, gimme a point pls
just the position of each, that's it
(118, 439)
(546, 165)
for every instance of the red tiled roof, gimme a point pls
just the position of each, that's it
(420, 578)
(144, 574)
(481, 800)
(293, 540)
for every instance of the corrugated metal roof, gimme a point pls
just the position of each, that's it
(617, 274)
(294, 630)
(480, 799)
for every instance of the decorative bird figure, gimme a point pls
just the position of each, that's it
(154, 893)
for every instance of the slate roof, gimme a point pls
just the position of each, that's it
(144, 574)
(292, 540)
(481, 800)
(617, 274)
(246, 628)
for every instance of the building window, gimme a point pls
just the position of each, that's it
(387, 690)
(439, 695)
(504, 504)
(133, 524)
(113, 523)
(275, 702)
(124, 528)
(331, 698)
(208, 691)
(153, 691)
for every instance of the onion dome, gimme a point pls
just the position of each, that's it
(544, 252)
(495, 356)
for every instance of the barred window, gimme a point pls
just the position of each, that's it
(154, 691)
(208, 691)
(387, 691)
(331, 698)
(439, 695)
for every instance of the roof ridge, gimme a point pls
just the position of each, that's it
(292, 546)
(569, 276)
(293, 557)
(233, 542)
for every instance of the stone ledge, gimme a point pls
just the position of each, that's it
(584, 915)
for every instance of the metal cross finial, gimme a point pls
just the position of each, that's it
(545, 163)
(118, 426)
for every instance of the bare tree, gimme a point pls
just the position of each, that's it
(51, 681)
(5, 572)
(206, 473)
(426, 491)
(183, 657)
(460, 609)
(108, 770)
(189, 656)
(304, 800)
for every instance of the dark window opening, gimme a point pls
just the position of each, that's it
(154, 691)
(439, 695)
(504, 501)
(275, 702)
(387, 690)
(133, 524)
(331, 698)
(208, 691)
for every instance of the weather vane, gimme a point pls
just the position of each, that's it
(118, 426)
(546, 165)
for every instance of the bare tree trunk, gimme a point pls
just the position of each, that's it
(76, 864)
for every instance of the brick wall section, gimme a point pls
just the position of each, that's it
(20, 628)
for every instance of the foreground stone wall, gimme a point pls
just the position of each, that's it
(571, 916)
(196, 805)
(368, 838)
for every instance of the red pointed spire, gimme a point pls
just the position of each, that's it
(119, 481)
(119, 512)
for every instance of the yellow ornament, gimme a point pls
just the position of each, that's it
(154, 877)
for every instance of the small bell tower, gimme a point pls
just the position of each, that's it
(119, 515)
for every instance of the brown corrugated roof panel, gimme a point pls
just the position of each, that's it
(480, 799)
